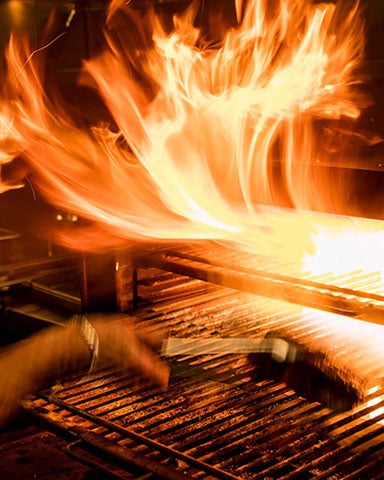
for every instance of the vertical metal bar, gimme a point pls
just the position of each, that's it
(135, 295)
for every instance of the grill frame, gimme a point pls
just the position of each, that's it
(351, 302)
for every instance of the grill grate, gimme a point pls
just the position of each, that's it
(216, 420)
(358, 294)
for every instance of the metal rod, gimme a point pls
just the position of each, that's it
(69, 450)
(64, 299)
(351, 303)
(29, 267)
(142, 439)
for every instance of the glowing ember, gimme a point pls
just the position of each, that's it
(202, 124)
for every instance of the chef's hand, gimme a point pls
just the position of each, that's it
(29, 364)
(123, 345)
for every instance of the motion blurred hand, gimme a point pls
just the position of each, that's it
(126, 346)
(29, 364)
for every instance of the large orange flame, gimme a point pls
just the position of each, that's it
(202, 124)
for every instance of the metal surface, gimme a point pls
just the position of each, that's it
(279, 348)
(345, 300)
(226, 424)
(29, 271)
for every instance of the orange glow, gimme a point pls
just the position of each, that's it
(200, 125)
(348, 253)
(351, 247)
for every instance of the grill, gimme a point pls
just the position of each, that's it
(222, 418)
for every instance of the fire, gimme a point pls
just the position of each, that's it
(203, 118)
(356, 247)
(348, 254)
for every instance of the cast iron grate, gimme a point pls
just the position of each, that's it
(217, 420)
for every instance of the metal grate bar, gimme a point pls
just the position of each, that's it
(335, 450)
(352, 303)
(141, 439)
(368, 275)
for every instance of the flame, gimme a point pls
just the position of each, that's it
(200, 123)
(348, 254)
(356, 247)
